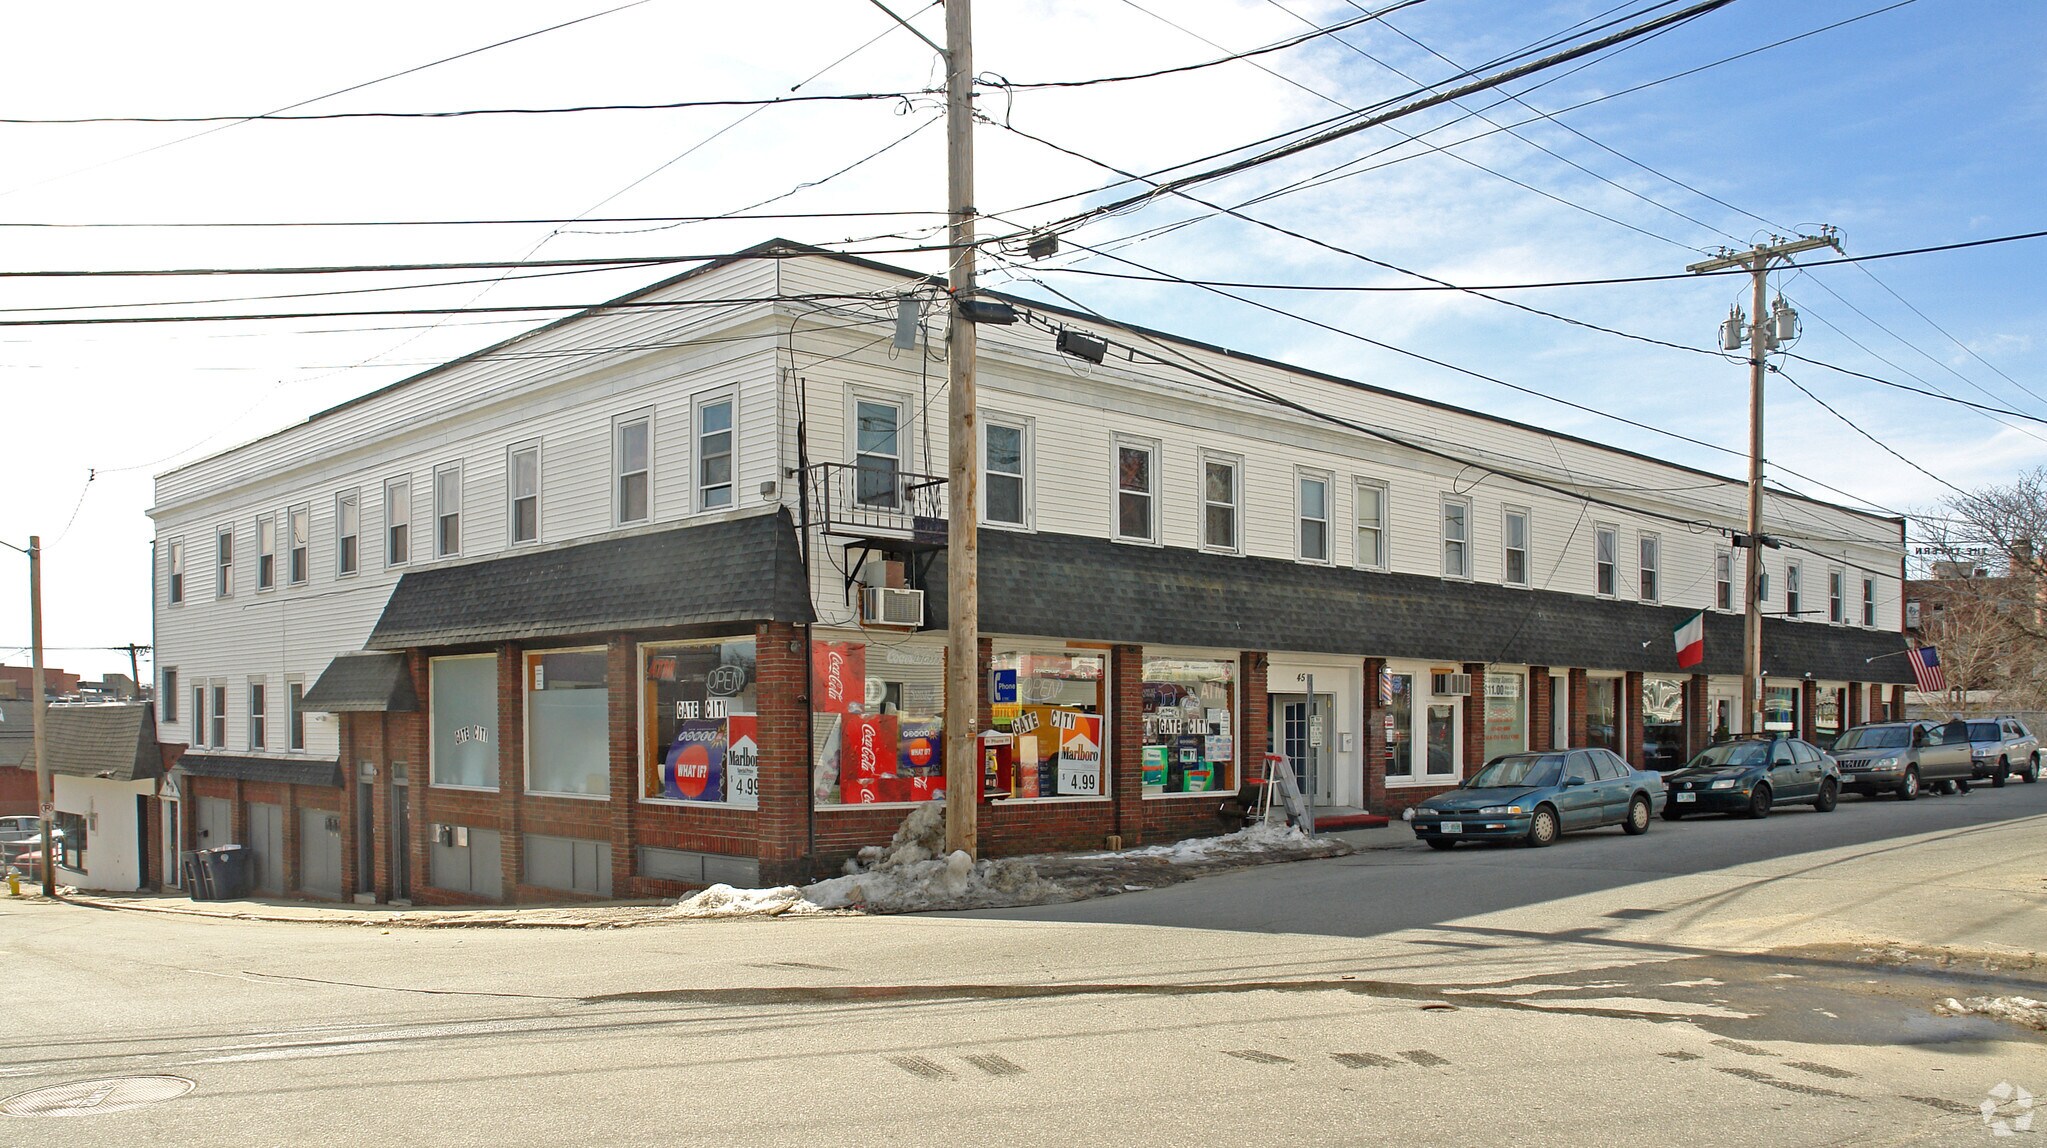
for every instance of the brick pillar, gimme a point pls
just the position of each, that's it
(1540, 698)
(1474, 719)
(1698, 715)
(1631, 711)
(1877, 710)
(1251, 721)
(1853, 716)
(1808, 707)
(1581, 732)
(621, 674)
(782, 671)
(238, 816)
(291, 839)
(1374, 756)
(511, 769)
(345, 733)
(1126, 741)
(1897, 712)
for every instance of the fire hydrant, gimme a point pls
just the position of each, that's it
(13, 882)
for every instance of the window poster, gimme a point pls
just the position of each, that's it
(700, 736)
(1080, 754)
(878, 721)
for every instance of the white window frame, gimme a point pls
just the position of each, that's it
(526, 726)
(200, 694)
(224, 562)
(348, 536)
(440, 548)
(298, 544)
(512, 496)
(431, 780)
(1420, 699)
(1723, 580)
(1117, 445)
(1869, 601)
(259, 718)
(1203, 459)
(1385, 496)
(174, 587)
(266, 552)
(1507, 548)
(698, 488)
(1610, 538)
(1026, 430)
(896, 498)
(1649, 567)
(392, 555)
(216, 712)
(1837, 596)
(1302, 477)
(619, 474)
(1794, 591)
(1463, 543)
(295, 714)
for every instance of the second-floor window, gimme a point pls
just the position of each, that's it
(714, 454)
(1221, 494)
(1456, 538)
(878, 453)
(1314, 514)
(632, 461)
(259, 716)
(1514, 548)
(1003, 484)
(448, 511)
(266, 552)
(177, 572)
(1652, 559)
(1136, 491)
(347, 533)
(1837, 596)
(295, 713)
(1791, 594)
(522, 477)
(224, 563)
(1869, 601)
(301, 524)
(1607, 549)
(198, 715)
(1723, 580)
(1371, 498)
(170, 693)
(218, 717)
(398, 522)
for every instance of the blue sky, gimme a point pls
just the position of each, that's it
(1918, 126)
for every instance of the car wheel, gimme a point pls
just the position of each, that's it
(1908, 789)
(1945, 788)
(2032, 773)
(1759, 803)
(2001, 774)
(1830, 796)
(1638, 817)
(1961, 785)
(1441, 843)
(1542, 830)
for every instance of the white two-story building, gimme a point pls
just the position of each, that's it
(654, 596)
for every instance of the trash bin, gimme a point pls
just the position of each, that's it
(228, 872)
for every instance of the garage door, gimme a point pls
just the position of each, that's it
(320, 852)
(215, 824)
(266, 847)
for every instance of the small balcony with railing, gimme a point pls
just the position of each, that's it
(875, 501)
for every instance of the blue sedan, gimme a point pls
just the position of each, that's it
(1537, 797)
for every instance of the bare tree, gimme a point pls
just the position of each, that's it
(1984, 607)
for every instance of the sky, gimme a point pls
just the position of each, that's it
(1920, 124)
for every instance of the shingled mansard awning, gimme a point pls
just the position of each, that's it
(294, 770)
(737, 570)
(115, 741)
(1090, 588)
(367, 682)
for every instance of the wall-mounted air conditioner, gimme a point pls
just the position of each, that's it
(888, 606)
(1450, 685)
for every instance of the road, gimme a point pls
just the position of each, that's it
(1717, 982)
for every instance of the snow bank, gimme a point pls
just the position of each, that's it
(726, 901)
(2016, 1009)
(1259, 837)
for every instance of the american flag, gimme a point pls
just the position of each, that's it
(1926, 667)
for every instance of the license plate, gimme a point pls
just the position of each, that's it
(1684, 797)
(1451, 827)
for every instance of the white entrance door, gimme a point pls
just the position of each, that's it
(1303, 732)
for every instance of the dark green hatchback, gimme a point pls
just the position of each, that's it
(1751, 776)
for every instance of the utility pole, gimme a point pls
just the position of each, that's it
(135, 667)
(1769, 329)
(963, 546)
(46, 799)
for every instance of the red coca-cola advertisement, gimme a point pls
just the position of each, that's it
(839, 673)
(868, 756)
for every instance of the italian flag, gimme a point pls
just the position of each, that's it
(1690, 637)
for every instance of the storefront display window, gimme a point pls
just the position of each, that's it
(1396, 693)
(568, 745)
(1780, 708)
(1442, 740)
(1663, 723)
(1603, 713)
(699, 740)
(463, 709)
(1506, 715)
(1826, 719)
(1190, 725)
(878, 720)
(1051, 706)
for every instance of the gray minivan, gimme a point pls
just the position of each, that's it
(1903, 757)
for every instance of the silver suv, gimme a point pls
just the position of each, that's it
(1901, 757)
(2000, 747)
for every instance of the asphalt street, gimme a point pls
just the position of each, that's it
(1715, 982)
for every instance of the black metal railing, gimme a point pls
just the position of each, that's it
(872, 497)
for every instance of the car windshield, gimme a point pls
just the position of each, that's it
(1523, 770)
(1983, 731)
(1876, 737)
(1733, 753)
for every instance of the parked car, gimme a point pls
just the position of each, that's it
(1536, 797)
(1753, 774)
(1902, 757)
(2000, 747)
(19, 834)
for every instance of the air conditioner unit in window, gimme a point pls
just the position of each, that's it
(888, 606)
(1450, 685)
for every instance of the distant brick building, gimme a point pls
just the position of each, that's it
(19, 682)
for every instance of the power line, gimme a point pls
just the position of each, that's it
(1959, 401)
(674, 105)
(722, 216)
(649, 304)
(476, 265)
(1852, 425)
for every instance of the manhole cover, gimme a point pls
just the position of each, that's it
(90, 1097)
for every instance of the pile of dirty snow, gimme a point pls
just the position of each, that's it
(1258, 837)
(726, 901)
(2016, 1009)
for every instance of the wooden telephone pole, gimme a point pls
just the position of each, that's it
(963, 546)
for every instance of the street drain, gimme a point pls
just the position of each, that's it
(1439, 1006)
(92, 1097)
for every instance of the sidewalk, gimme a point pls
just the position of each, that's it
(605, 915)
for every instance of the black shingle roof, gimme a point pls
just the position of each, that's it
(115, 740)
(364, 683)
(279, 770)
(739, 570)
(1092, 589)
